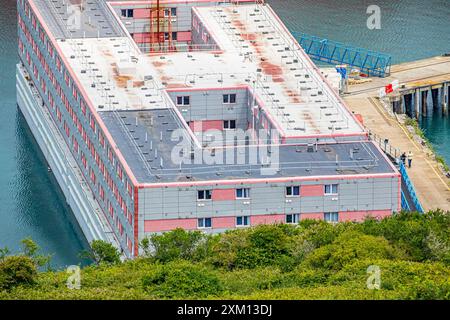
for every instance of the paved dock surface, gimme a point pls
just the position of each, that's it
(417, 73)
(432, 186)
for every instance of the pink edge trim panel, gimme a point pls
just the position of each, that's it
(359, 216)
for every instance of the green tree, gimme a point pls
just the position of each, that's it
(17, 270)
(182, 279)
(4, 252)
(260, 246)
(319, 233)
(31, 249)
(348, 248)
(176, 244)
(267, 244)
(102, 253)
(225, 250)
(422, 236)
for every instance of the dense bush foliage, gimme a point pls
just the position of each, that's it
(311, 260)
(175, 245)
(181, 279)
(15, 271)
(349, 247)
(102, 253)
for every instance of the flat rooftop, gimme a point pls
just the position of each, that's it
(112, 81)
(259, 55)
(254, 46)
(69, 19)
(138, 135)
(129, 90)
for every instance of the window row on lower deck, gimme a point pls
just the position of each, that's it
(240, 221)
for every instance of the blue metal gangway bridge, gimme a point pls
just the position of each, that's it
(370, 62)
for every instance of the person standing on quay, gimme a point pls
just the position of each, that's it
(410, 158)
(403, 158)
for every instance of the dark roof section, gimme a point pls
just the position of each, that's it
(138, 136)
(91, 20)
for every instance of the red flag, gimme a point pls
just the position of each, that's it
(389, 88)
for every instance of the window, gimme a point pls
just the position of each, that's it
(243, 193)
(292, 218)
(183, 101)
(293, 191)
(204, 195)
(229, 98)
(204, 223)
(331, 189)
(331, 217)
(127, 13)
(242, 221)
(229, 124)
(167, 36)
(171, 11)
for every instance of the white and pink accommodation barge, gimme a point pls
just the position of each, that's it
(105, 87)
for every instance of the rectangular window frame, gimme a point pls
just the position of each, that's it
(183, 101)
(331, 217)
(229, 125)
(242, 193)
(204, 223)
(229, 98)
(293, 218)
(331, 189)
(292, 191)
(204, 195)
(242, 221)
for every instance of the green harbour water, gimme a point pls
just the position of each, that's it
(31, 204)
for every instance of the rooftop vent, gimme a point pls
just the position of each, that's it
(126, 68)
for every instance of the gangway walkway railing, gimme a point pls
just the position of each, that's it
(332, 52)
(405, 203)
(409, 199)
(410, 187)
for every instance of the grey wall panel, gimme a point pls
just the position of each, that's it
(224, 208)
(182, 22)
(92, 133)
(270, 198)
(209, 106)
